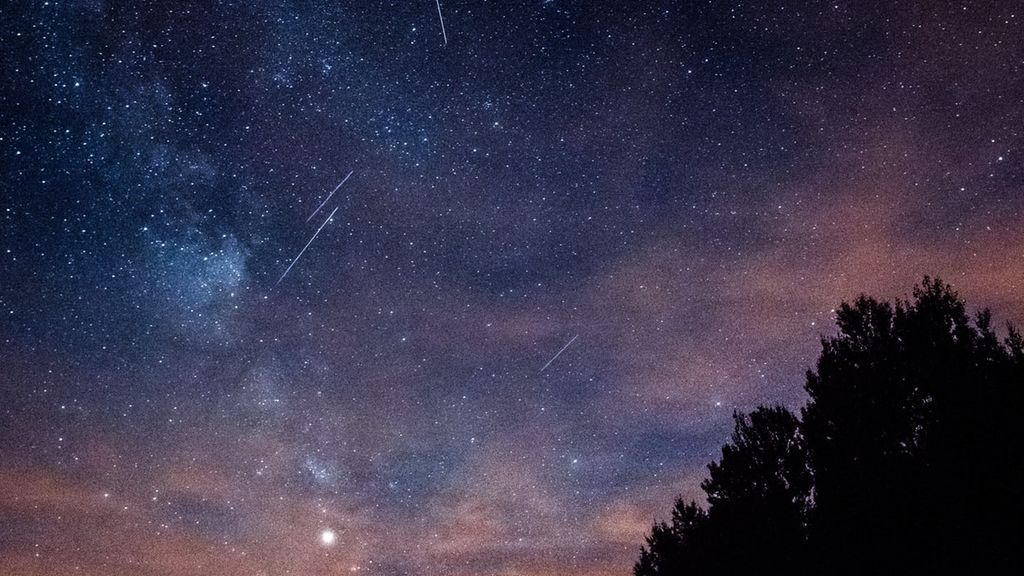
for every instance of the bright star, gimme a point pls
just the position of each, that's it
(327, 537)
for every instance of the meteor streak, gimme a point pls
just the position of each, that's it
(441, 18)
(328, 197)
(303, 251)
(559, 353)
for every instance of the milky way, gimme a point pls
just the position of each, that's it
(688, 188)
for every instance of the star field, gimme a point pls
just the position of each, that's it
(681, 191)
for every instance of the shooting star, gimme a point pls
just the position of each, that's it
(441, 18)
(328, 197)
(303, 251)
(559, 353)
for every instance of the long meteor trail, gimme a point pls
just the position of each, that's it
(559, 353)
(303, 251)
(329, 197)
(441, 18)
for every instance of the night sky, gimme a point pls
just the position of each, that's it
(680, 191)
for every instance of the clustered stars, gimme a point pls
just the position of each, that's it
(576, 238)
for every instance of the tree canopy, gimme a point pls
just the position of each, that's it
(907, 457)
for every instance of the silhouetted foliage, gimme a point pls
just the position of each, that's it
(757, 496)
(908, 457)
(674, 548)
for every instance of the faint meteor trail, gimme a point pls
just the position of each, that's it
(441, 18)
(329, 197)
(303, 251)
(559, 353)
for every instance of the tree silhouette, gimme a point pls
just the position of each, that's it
(909, 430)
(675, 548)
(757, 496)
(910, 444)
(758, 493)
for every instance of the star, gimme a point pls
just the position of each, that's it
(645, 204)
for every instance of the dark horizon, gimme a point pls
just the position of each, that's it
(318, 288)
